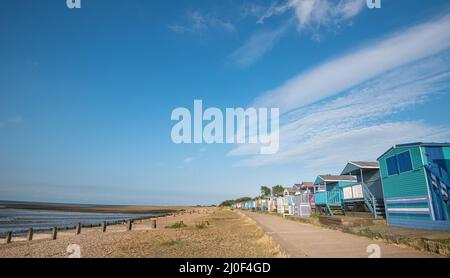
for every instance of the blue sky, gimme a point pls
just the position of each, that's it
(86, 95)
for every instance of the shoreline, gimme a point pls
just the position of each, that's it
(203, 232)
(98, 208)
(22, 233)
(133, 213)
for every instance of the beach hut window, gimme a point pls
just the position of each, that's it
(392, 166)
(404, 162)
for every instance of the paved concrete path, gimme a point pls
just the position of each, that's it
(301, 240)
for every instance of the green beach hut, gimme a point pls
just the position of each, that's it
(416, 185)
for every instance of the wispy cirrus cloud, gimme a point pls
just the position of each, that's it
(342, 110)
(342, 73)
(257, 46)
(310, 15)
(198, 23)
(316, 13)
(188, 160)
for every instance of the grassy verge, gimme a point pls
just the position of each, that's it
(438, 246)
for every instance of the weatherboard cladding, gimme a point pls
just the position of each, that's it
(406, 194)
(414, 208)
(411, 183)
(446, 151)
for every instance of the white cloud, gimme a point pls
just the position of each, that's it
(188, 160)
(310, 15)
(316, 13)
(361, 65)
(255, 47)
(198, 23)
(358, 124)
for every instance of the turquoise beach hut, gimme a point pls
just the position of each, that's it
(329, 195)
(416, 185)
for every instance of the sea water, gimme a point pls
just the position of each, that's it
(20, 220)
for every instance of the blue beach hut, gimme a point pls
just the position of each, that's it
(416, 185)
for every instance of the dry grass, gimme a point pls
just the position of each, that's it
(228, 235)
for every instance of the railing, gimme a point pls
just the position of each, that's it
(440, 173)
(320, 198)
(370, 200)
(440, 184)
(328, 198)
(334, 197)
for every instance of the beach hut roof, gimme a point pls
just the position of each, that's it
(331, 178)
(417, 144)
(290, 190)
(354, 166)
(305, 185)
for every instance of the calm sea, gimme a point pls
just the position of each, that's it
(19, 220)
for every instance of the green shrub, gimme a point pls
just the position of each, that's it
(177, 225)
(173, 242)
(200, 225)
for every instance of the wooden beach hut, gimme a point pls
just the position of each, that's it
(368, 191)
(415, 182)
(280, 205)
(289, 200)
(305, 187)
(272, 204)
(303, 204)
(328, 197)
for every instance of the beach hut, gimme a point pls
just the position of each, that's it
(416, 185)
(288, 205)
(272, 204)
(289, 192)
(303, 206)
(328, 197)
(368, 191)
(305, 187)
(289, 201)
(280, 205)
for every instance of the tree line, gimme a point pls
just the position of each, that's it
(265, 191)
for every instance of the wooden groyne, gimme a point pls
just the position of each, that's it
(54, 233)
(78, 228)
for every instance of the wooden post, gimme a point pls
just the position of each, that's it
(129, 225)
(78, 229)
(104, 224)
(8, 237)
(153, 223)
(30, 234)
(54, 233)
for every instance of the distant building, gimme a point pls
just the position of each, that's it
(305, 187)
(289, 192)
